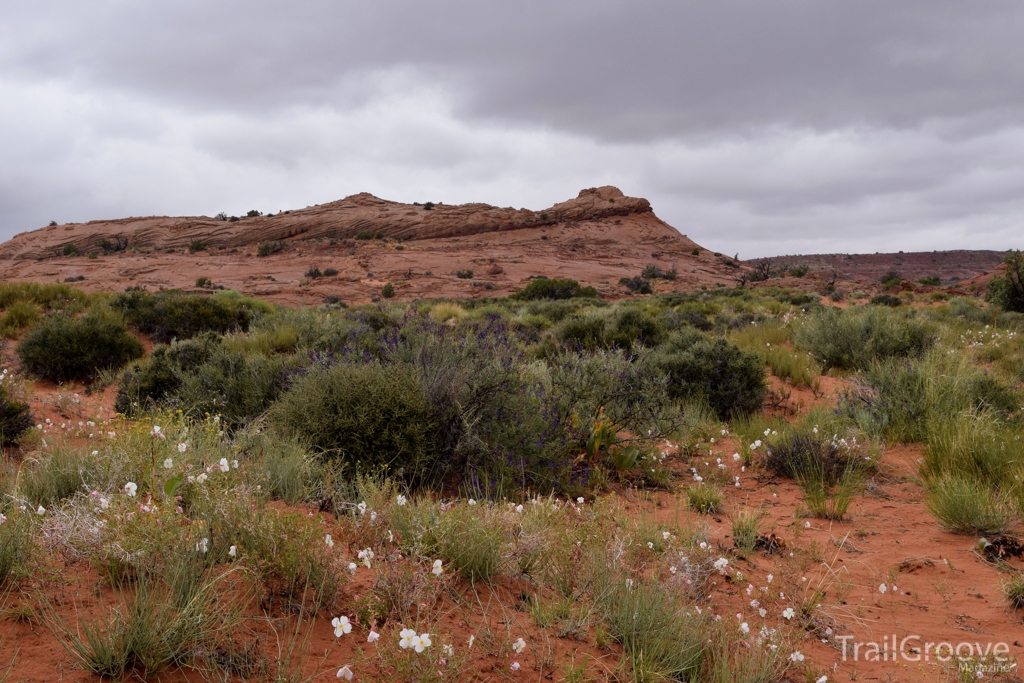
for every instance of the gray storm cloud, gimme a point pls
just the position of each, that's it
(757, 127)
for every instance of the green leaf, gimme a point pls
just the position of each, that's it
(173, 484)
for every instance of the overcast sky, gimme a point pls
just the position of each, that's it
(761, 127)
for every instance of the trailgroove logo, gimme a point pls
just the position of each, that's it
(982, 657)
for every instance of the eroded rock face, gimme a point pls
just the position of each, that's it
(346, 218)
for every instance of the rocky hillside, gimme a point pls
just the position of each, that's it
(361, 243)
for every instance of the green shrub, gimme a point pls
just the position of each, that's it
(704, 498)
(553, 288)
(198, 245)
(268, 248)
(364, 416)
(930, 280)
(886, 300)
(584, 331)
(388, 291)
(654, 272)
(854, 337)
(1007, 291)
(314, 272)
(57, 476)
(635, 326)
(965, 505)
(891, 278)
(15, 417)
(464, 274)
(730, 380)
(202, 376)
(174, 315)
(65, 348)
(330, 272)
(637, 285)
(70, 249)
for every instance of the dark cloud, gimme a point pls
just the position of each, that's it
(770, 126)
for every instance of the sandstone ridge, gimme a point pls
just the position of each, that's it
(345, 218)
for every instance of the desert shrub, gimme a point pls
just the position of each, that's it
(464, 274)
(388, 291)
(930, 280)
(330, 272)
(730, 380)
(268, 248)
(70, 249)
(637, 285)
(1007, 291)
(289, 471)
(854, 337)
(314, 273)
(653, 272)
(798, 271)
(15, 416)
(365, 416)
(802, 456)
(635, 326)
(553, 288)
(966, 505)
(369, 235)
(886, 300)
(891, 278)
(663, 640)
(584, 331)
(66, 348)
(198, 245)
(202, 376)
(174, 315)
(704, 498)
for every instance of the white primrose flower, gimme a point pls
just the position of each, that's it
(345, 672)
(373, 637)
(366, 555)
(168, 463)
(401, 500)
(362, 508)
(329, 541)
(744, 628)
(352, 567)
(519, 646)
(40, 511)
(203, 545)
(796, 656)
(182, 447)
(233, 551)
(580, 500)
(515, 666)
(130, 488)
(234, 464)
(471, 501)
(224, 465)
(341, 626)
(788, 613)
(882, 588)
(437, 570)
